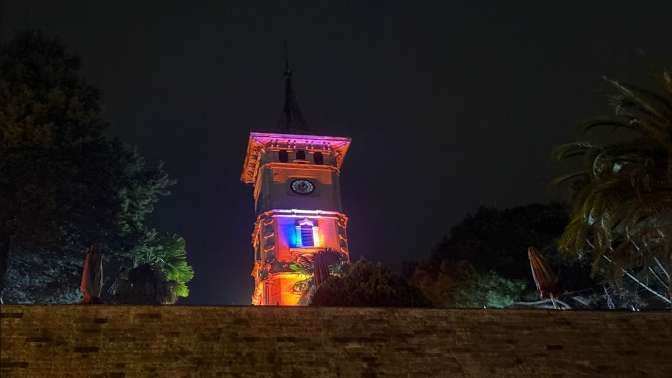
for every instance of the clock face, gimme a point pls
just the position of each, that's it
(302, 186)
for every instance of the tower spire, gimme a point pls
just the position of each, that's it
(286, 52)
(291, 119)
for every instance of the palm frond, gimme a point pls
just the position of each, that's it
(612, 123)
(570, 177)
(574, 149)
(645, 100)
(667, 82)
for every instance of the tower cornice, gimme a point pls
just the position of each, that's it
(257, 142)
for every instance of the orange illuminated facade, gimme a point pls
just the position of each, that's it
(298, 205)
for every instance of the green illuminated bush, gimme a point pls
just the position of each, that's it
(167, 253)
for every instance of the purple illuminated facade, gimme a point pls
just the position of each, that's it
(298, 206)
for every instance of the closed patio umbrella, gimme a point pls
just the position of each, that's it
(92, 277)
(544, 279)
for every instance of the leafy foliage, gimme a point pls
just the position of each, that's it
(43, 276)
(459, 285)
(167, 253)
(621, 212)
(46, 113)
(316, 268)
(497, 240)
(144, 284)
(64, 185)
(367, 284)
(484, 260)
(487, 290)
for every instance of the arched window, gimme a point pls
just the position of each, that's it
(318, 158)
(300, 155)
(283, 156)
(307, 234)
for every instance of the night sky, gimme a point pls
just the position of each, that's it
(449, 106)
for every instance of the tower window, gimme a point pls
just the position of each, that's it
(283, 156)
(318, 158)
(307, 234)
(300, 155)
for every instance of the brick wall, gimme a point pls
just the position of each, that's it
(183, 341)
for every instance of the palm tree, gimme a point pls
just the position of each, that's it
(622, 201)
(167, 253)
(317, 268)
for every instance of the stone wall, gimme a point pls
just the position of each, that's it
(183, 341)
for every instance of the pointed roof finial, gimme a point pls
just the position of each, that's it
(288, 72)
(291, 119)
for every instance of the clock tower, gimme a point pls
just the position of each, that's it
(297, 199)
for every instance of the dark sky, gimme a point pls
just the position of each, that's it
(450, 106)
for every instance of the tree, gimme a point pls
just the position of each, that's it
(366, 284)
(497, 240)
(44, 106)
(144, 284)
(487, 290)
(484, 260)
(64, 185)
(459, 285)
(621, 214)
(317, 268)
(167, 254)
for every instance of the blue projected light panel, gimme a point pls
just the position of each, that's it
(290, 233)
